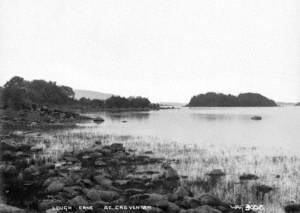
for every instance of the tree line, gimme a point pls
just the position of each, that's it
(18, 93)
(212, 99)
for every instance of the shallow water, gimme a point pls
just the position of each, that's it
(228, 126)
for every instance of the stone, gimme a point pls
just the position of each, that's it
(78, 201)
(208, 199)
(216, 173)
(180, 193)
(96, 195)
(98, 120)
(103, 180)
(172, 208)
(148, 199)
(292, 208)
(133, 191)
(5, 145)
(190, 202)
(55, 186)
(36, 148)
(8, 155)
(48, 203)
(115, 147)
(100, 163)
(4, 208)
(246, 177)
(10, 170)
(71, 192)
(93, 195)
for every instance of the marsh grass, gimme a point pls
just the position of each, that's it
(276, 168)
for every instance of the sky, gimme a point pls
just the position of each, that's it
(166, 50)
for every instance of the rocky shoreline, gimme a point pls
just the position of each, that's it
(101, 178)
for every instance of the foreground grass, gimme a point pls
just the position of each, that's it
(276, 168)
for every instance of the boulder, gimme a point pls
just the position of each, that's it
(10, 170)
(292, 208)
(100, 179)
(93, 194)
(246, 177)
(180, 193)
(257, 118)
(55, 186)
(106, 196)
(216, 173)
(98, 120)
(8, 145)
(10, 209)
(48, 203)
(148, 199)
(115, 147)
(8, 155)
(78, 201)
(208, 199)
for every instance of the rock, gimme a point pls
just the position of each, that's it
(148, 153)
(96, 195)
(120, 155)
(216, 173)
(8, 145)
(10, 209)
(96, 155)
(257, 118)
(71, 192)
(292, 208)
(48, 203)
(100, 163)
(132, 191)
(208, 199)
(103, 181)
(180, 193)
(115, 147)
(189, 202)
(10, 170)
(93, 195)
(31, 171)
(78, 201)
(8, 155)
(264, 188)
(33, 123)
(148, 199)
(98, 120)
(246, 177)
(37, 148)
(172, 208)
(170, 173)
(55, 186)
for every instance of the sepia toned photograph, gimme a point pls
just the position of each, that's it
(150, 106)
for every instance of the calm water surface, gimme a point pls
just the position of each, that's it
(279, 127)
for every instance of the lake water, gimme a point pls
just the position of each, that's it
(279, 127)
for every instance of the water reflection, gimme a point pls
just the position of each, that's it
(127, 115)
(219, 117)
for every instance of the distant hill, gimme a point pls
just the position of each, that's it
(91, 94)
(174, 104)
(212, 99)
(298, 104)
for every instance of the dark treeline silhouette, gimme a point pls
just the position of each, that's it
(18, 93)
(298, 104)
(212, 99)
